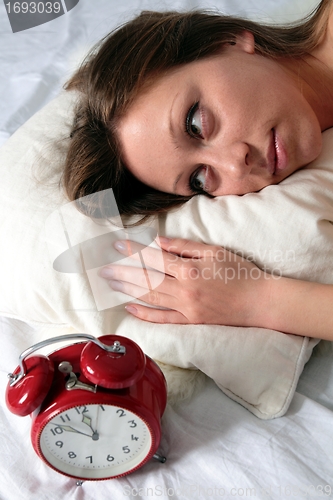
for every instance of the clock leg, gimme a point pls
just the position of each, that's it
(160, 458)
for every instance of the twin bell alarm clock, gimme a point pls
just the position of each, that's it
(96, 405)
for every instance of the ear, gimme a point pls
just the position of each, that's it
(245, 42)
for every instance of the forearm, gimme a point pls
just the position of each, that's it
(298, 307)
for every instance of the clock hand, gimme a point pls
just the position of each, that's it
(68, 428)
(97, 418)
(87, 420)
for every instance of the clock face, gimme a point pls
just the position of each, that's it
(95, 441)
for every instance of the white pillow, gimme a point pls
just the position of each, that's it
(288, 227)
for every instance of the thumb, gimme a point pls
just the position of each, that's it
(188, 248)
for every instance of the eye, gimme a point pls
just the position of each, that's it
(198, 180)
(193, 125)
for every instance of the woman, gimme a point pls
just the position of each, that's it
(175, 105)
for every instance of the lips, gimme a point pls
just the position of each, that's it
(277, 158)
(281, 159)
(209, 179)
(272, 155)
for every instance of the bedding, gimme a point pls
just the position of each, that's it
(215, 448)
(257, 368)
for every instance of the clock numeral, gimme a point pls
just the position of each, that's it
(79, 411)
(134, 438)
(90, 458)
(133, 423)
(126, 449)
(59, 443)
(67, 419)
(57, 430)
(71, 454)
(102, 407)
(110, 458)
(122, 413)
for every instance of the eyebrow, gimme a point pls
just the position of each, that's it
(177, 146)
(176, 181)
(174, 139)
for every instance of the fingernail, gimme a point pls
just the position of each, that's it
(164, 240)
(106, 272)
(116, 285)
(120, 245)
(131, 309)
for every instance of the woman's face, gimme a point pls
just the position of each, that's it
(228, 124)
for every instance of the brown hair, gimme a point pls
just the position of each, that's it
(134, 56)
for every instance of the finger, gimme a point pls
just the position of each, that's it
(142, 277)
(190, 249)
(148, 256)
(152, 297)
(156, 315)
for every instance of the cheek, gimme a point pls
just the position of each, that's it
(250, 184)
(308, 139)
(312, 146)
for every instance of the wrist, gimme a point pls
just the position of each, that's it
(257, 305)
(284, 306)
(266, 300)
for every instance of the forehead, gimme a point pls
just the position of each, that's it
(144, 130)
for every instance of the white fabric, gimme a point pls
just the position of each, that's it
(257, 368)
(215, 448)
(268, 364)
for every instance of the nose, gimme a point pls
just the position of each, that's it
(233, 160)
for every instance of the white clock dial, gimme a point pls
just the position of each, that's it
(95, 441)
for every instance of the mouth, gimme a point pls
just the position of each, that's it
(208, 179)
(272, 157)
(280, 155)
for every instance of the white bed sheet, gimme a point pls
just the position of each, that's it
(214, 447)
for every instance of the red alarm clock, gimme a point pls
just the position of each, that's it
(96, 406)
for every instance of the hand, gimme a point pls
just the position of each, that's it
(87, 420)
(202, 284)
